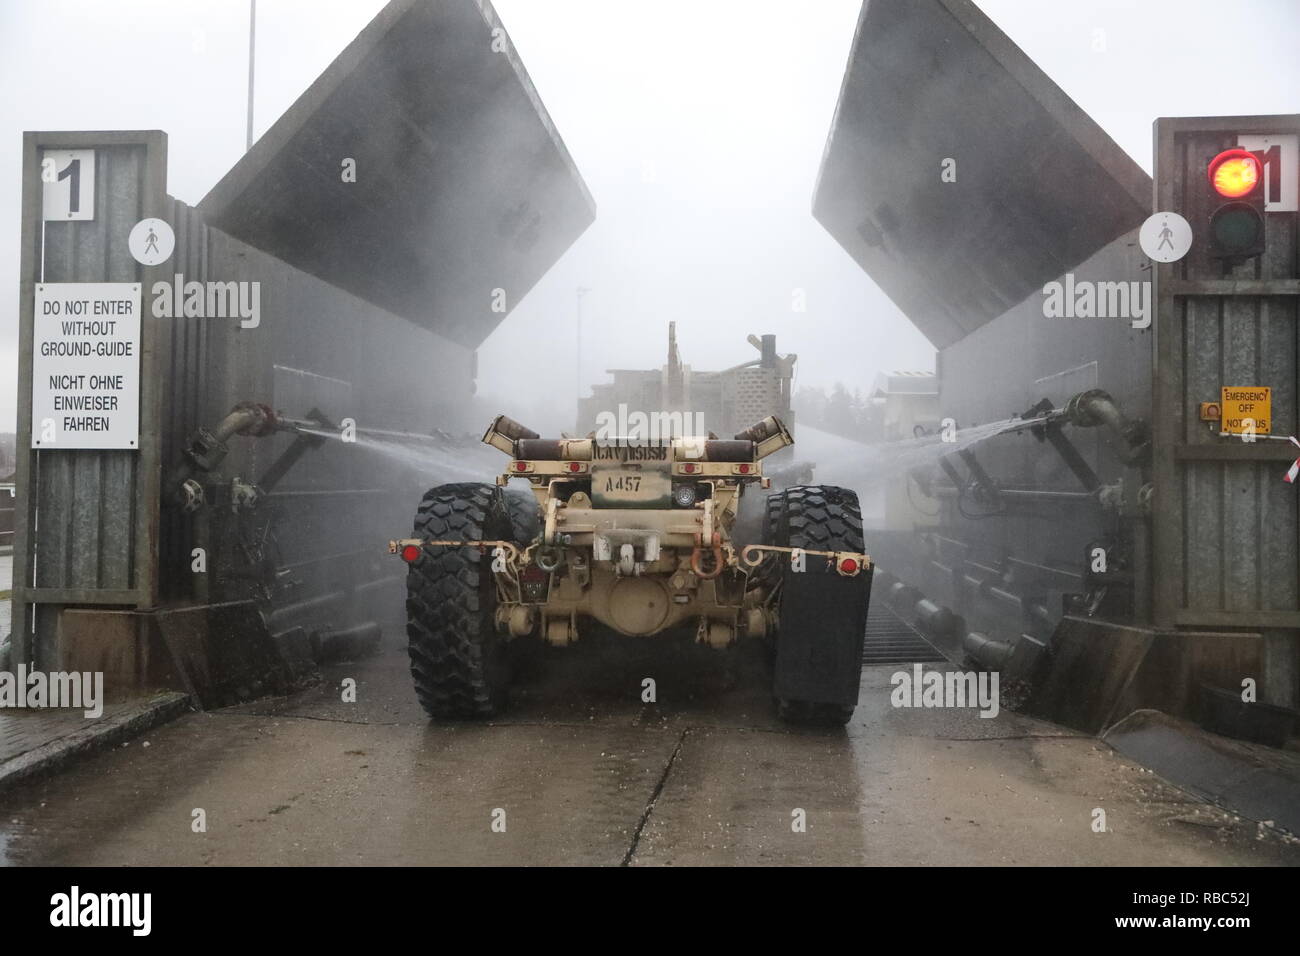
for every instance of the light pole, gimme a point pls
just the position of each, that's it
(252, 47)
(577, 371)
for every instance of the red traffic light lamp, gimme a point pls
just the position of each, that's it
(1237, 226)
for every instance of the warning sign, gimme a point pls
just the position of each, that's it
(86, 365)
(1247, 409)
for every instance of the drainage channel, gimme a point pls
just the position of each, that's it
(891, 640)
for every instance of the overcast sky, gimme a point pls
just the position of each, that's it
(697, 124)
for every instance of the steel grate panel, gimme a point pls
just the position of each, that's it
(891, 640)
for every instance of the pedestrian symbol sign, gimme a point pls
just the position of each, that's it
(1165, 237)
(151, 242)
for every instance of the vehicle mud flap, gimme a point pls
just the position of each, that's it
(819, 643)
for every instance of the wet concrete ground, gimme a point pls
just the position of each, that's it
(587, 773)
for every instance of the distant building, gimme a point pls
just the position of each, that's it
(8, 463)
(724, 402)
(908, 405)
(8, 504)
(906, 400)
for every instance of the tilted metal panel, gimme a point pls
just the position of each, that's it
(462, 187)
(1226, 524)
(1039, 186)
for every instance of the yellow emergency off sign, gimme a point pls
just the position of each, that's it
(1247, 408)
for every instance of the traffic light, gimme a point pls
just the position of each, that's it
(1236, 226)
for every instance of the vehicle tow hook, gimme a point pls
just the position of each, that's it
(718, 561)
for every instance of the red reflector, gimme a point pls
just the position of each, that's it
(688, 469)
(743, 469)
(409, 553)
(575, 466)
(848, 566)
(1234, 173)
(521, 466)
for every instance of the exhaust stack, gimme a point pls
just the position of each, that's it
(504, 432)
(770, 435)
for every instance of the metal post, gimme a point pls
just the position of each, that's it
(252, 59)
(577, 371)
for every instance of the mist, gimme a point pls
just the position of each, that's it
(698, 128)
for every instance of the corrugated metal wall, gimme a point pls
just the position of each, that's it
(86, 524)
(1239, 549)
(1023, 356)
(186, 365)
(87, 498)
(1227, 523)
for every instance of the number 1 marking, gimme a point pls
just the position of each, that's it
(72, 172)
(1272, 159)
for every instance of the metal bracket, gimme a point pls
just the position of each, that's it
(986, 489)
(835, 559)
(243, 495)
(1073, 460)
(509, 547)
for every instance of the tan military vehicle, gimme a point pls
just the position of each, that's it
(635, 535)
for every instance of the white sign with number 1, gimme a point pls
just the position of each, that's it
(1281, 153)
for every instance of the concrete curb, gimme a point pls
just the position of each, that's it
(1254, 781)
(55, 755)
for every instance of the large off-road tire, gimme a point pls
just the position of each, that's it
(525, 518)
(823, 615)
(458, 660)
(768, 573)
